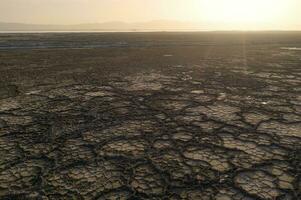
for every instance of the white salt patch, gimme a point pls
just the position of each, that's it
(291, 48)
(222, 96)
(179, 66)
(33, 92)
(197, 92)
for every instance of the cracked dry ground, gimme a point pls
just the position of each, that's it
(134, 124)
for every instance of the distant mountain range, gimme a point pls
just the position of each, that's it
(160, 25)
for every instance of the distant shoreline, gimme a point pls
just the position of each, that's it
(151, 31)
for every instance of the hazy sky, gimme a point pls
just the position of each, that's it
(271, 14)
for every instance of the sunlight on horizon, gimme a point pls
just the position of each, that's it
(243, 11)
(245, 14)
(211, 14)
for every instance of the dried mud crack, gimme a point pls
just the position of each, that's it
(213, 129)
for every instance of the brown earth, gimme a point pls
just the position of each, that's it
(157, 116)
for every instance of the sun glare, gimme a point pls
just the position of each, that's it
(243, 11)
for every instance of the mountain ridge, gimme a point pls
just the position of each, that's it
(104, 26)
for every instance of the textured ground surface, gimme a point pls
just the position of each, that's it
(156, 116)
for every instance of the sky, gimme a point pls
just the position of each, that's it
(215, 14)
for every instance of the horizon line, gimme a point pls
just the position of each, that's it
(194, 27)
(149, 31)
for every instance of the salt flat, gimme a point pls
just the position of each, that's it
(150, 115)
